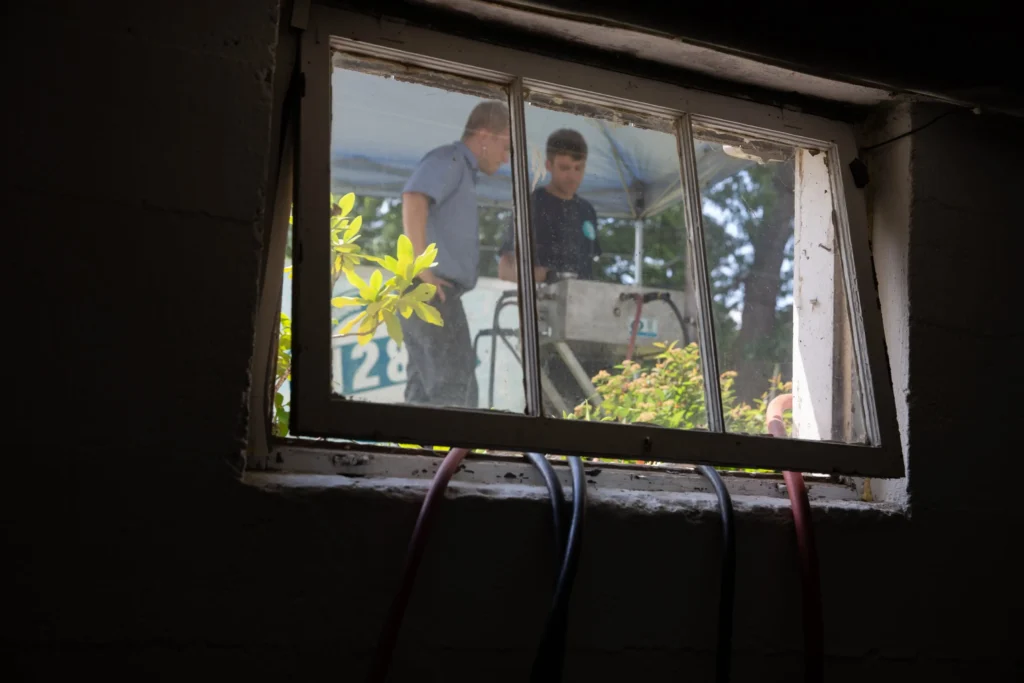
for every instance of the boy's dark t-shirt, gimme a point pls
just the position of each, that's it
(564, 234)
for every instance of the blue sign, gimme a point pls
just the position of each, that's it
(648, 328)
(376, 365)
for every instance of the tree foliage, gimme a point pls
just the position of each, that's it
(748, 230)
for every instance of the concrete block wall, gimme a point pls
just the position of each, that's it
(138, 140)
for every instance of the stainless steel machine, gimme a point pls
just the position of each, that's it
(591, 324)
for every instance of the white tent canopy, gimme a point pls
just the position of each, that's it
(382, 127)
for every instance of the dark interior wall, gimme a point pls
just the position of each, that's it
(965, 53)
(136, 156)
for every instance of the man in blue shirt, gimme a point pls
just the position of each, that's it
(439, 206)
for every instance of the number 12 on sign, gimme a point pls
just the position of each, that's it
(380, 364)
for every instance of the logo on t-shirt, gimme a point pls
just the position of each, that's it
(588, 230)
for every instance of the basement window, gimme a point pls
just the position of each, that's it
(606, 243)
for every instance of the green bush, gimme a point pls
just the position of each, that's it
(669, 392)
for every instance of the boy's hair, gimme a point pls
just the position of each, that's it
(567, 141)
(489, 115)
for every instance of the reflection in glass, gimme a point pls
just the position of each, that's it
(417, 160)
(780, 313)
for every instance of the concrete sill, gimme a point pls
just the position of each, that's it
(502, 477)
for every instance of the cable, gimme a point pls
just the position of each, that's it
(564, 565)
(642, 299)
(912, 131)
(417, 543)
(557, 498)
(679, 314)
(727, 586)
(810, 579)
(550, 659)
(727, 589)
(639, 299)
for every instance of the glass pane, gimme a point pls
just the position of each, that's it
(419, 159)
(616, 344)
(780, 311)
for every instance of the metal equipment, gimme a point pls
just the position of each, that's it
(590, 325)
(596, 319)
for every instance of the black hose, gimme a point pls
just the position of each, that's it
(679, 315)
(727, 587)
(550, 659)
(557, 497)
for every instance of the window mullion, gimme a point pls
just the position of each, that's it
(311, 324)
(524, 250)
(700, 273)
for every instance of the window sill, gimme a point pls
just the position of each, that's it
(507, 477)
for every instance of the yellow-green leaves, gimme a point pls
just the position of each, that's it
(429, 314)
(346, 203)
(282, 373)
(382, 300)
(406, 255)
(345, 253)
(393, 326)
(368, 291)
(407, 266)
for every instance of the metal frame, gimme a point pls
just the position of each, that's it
(316, 412)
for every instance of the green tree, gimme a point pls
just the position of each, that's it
(758, 205)
(748, 230)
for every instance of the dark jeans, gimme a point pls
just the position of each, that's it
(442, 365)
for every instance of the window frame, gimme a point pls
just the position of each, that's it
(315, 411)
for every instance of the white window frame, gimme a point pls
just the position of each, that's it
(316, 412)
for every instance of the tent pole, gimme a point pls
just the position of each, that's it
(638, 251)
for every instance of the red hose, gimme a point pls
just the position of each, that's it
(393, 624)
(639, 299)
(814, 626)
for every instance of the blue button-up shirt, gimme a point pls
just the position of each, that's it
(447, 175)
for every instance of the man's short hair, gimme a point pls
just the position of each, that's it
(489, 115)
(567, 141)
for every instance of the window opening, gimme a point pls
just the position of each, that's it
(601, 177)
(507, 263)
(779, 308)
(423, 156)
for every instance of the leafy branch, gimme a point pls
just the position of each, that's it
(382, 300)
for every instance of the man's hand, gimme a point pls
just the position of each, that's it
(439, 283)
(507, 270)
(415, 208)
